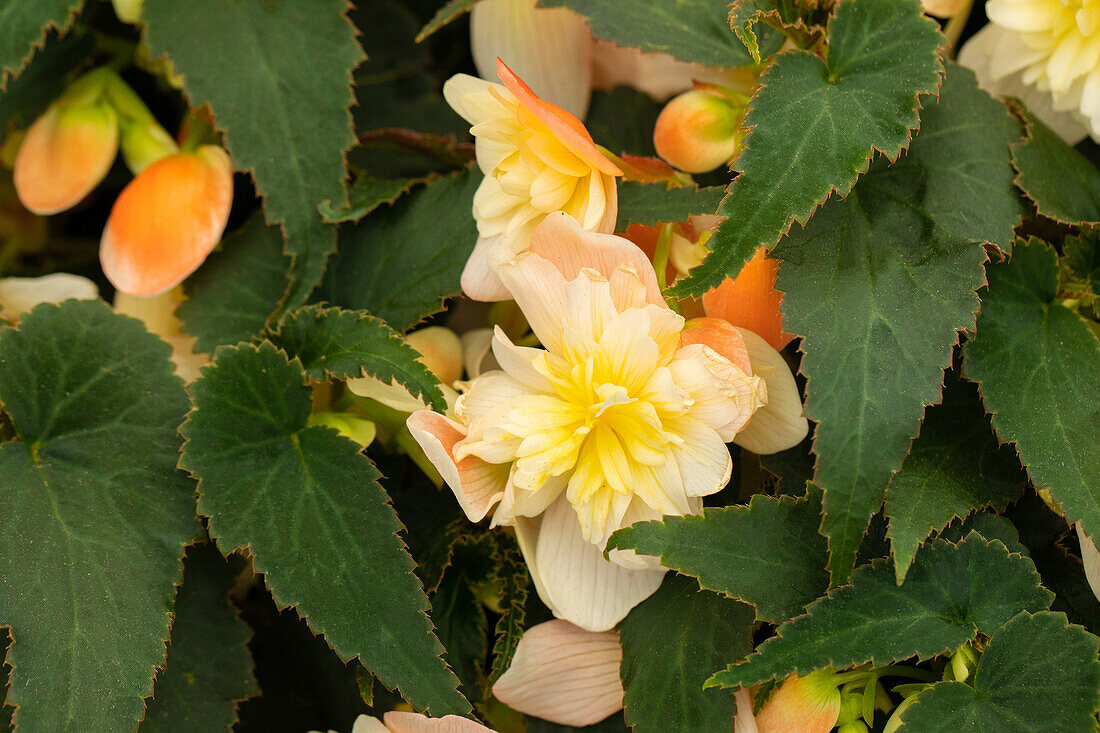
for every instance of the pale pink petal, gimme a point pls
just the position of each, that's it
(538, 288)
(476, 484)
(18, 295)
(579, 584)
(564, 674)
(549, 48)
(478, 280)
(402, 722)
(780, 424)
(1091, 557)
(560, 239)
(368, 724)
(745, 722)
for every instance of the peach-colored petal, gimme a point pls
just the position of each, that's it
(561, 240)
(564, 674)
(440, 350)
(479, 281)
(719, 335)
(751, 301)
(538, 288)
(402, 722)
(745, 722)
(476, 484)
(1091, 558)
(167, 221)
(567, 127)
(549, 47)
(578, 583)
(781, 423)
(65, 154)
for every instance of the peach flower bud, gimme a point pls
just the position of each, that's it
(167, 221)
(699, 130)
(809, 704)
(440, 350)
(66, 153)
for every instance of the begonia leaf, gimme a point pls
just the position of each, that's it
(209, 669)
(951, 594)
(23, 28)
(43, 80)
(954, 467)
(277, 77)
(879, 283)
(366, 195)
(768, 554)
(1038, 674)
(814, 126)
(95, 516)
(237, 289)
(339, 344)
(453, 9)
(650, 204)
(672, 642)
(1064, 185)
(514, 580)
(307, 505)
(1036, 363)
(462, 627)
(401, 262)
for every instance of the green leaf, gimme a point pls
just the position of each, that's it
(951, 594)
(650, 204)
(672, 642)
(814, 126)
(1037, 675)
(953, 468)
(990, 526)
(23, 28)
(622, 120)
(511, 574)
(768, 553)
(744, 15)
(1036, 364)
(1062, 183)
(43, 80)
(6, 711)
(209, 668)
(401, 262)
(366, 195)
(95, 515)
(278, 78)
(689, 30)
(338, 344)
(879, 283)
(307, 505)
(1083, 258)
(463, 629)
(237, 289)
(443, 16)
(792, 468)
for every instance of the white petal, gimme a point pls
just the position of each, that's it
(745, 722)
(548, 48)
(564, 674)
(577, 582)
(402, 722)
(476, 348)
(703, 457)
(517, 362)
(368, 724)
(471, 99)
(478, 281)
(538, 288)
(780, 424)
(1091, 557)
(20, 294)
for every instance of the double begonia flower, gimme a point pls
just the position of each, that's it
(537, 159)
(622, 417)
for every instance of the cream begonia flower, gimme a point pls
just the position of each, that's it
(1050, 51)
(19, 295)
(623, 417)
(550, 48)
(537, 159)
(402, 722)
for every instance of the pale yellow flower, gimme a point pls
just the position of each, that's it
(622, 417)
(537, 159)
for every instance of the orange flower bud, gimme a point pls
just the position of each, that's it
(66, 153)
(809, 704)
(751, 301)
(699, 130)
(167, 221)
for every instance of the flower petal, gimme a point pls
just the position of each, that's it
(518, 362)
(565, 126)
(394, 395)
(1091, 558)
(167, 220)
(564, 674)
(780, 424)
(538, 288)
(19, 295)
(576, 582)
(751, 301)
(479, 281)
(745, 722)
(562, 241)
(476, 484)
(550, 48)
(402, 722)
(719, 335)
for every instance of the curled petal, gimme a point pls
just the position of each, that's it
(751, 301)
(66, 153)
(476, 484)
(402, 722)
(479, 280)
(549, 47)
(574, 579)
(780, 424)
(477, 352)
(564, 674)
(745, 722)
(394, 395)
(18, 295)
(167, 221)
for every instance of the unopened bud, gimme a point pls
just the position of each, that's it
(809, 704)
(699, 130)
(440, 350)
